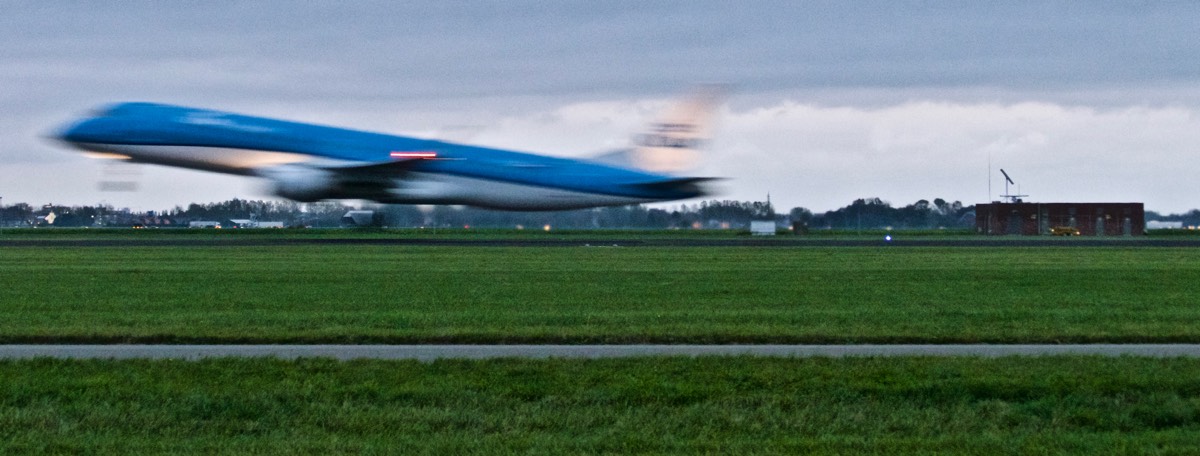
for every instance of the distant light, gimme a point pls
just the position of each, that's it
(546, 228)
(520, 227)
(887, 238)
(417, 154)
(466, 227)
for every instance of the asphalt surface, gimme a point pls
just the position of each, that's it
(432, 352)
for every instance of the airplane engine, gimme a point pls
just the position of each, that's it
(302, 183)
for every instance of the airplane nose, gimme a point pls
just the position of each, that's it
(83, 131)
(65, 133)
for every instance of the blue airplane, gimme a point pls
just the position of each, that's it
(306, 162)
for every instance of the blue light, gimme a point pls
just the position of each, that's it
(888, 238)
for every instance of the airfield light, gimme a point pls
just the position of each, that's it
(887, 238)
(546, 228)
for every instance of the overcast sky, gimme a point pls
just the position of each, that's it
(831, 101)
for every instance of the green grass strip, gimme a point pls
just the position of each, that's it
(398, 294)
(649, 405)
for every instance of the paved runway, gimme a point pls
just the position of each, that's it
(432, 352)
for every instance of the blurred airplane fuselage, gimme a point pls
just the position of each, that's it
(306, 162)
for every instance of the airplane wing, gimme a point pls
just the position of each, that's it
(683, 185)
(314, 181)
(390, 168)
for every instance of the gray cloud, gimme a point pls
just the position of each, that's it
(436, 50)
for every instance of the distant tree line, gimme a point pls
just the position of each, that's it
(1189, 218)
(291, 213)
(863, 213)
(23, 214)
(874, 213)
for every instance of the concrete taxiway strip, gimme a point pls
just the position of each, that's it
(432, 352)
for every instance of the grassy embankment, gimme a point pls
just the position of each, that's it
(399, 294)
(1077, 405)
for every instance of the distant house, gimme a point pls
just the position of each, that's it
(362, 218)
(762, 227)
(204, 224)
(247, 223)
(1160, 225)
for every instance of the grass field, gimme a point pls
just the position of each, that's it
(1077, 405)
(406, 294)
(731, 405)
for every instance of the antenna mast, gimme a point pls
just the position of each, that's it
(1011, 197)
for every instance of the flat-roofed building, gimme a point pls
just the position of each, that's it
(1090, 219)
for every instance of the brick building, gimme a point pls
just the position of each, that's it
(1091, 219)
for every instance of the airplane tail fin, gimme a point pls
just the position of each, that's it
(671, 144)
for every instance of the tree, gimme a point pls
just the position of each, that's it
(800, 215)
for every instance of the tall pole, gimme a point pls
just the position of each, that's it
(988, 229)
